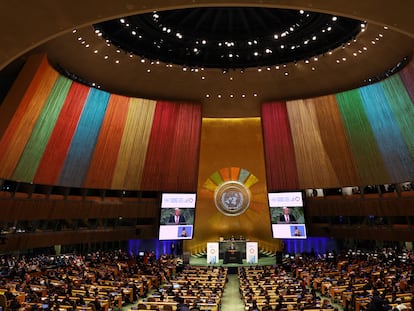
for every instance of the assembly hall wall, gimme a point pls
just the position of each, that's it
(58, 132)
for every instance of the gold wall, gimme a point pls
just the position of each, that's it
(230, 148)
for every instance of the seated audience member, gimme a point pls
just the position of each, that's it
(400, 305)
(182, 306)
(97, 304)
(15, 304)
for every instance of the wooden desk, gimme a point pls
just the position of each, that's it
(21, 296)
(39, 289)
(232, 256)
(202, 306)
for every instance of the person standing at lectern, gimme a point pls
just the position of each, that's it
(177, 218)
(287, 217)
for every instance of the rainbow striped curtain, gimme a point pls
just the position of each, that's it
(64, 133)
(359, 137)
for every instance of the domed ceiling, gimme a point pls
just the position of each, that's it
(229, 37)
(228, 56)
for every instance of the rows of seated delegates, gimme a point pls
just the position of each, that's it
(193, 287)
(357, 280)
(100, 281)
(372, 280)
(354, 280)
(276, 288)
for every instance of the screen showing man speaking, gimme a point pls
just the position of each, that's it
(287, 215)
(177, 216)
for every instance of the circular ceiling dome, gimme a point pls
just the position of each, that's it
(229, 37)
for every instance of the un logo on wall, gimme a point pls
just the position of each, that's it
(232, 198)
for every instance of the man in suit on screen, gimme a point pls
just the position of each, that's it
(287, 217)
(177, 218)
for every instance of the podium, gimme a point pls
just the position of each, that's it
(232, 256)
(232, 251)
(240, 246)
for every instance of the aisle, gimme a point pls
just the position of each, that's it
(230, 300)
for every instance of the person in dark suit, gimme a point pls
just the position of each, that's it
(287, 217)
(177, 218)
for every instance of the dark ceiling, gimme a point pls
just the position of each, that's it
(229, 37)
(66, 34)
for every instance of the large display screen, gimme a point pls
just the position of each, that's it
(287, 215)
(177, 216)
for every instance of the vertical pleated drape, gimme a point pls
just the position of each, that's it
(65, 133)
(101, 169)
(312, 160)
(172, 156)
(334, 140)
(402, 108)
(134, 143)
(18, 132)
(407, 76)
(57, 148)
(36, 145)
(387, 133)
(83, 143)
(368, 160)
(281, 171)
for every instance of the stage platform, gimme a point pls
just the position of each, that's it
(263, 261)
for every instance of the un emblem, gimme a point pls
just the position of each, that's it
(232, 198)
